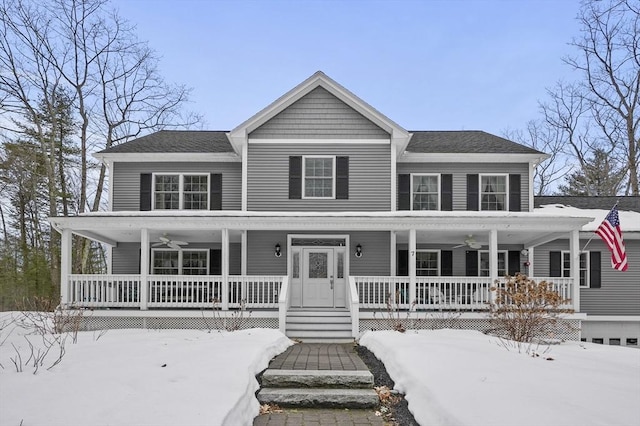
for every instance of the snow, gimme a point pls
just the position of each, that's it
(462, 377)
(629, 220)
(139, 377)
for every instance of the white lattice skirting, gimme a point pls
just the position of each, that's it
(90, 323)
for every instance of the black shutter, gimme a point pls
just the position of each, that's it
(215, 262)
(514, 262)
(145, 192)
(342, 178)
(402, 268)
(216, 192)
(471, 259)
(473, 192)
(595, 272)
(514, 193)
(446, 192)
(446, 263)
(555, 264)
(295, 177)
(404, 192)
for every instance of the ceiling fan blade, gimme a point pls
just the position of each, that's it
(174, 246)
(458, 246)
(157, 244)
(164, 240)
(475, 245)
(180, 243)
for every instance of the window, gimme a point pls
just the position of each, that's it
(180, 262)
(584, 267)
(319, 177)
(427, 263)
(614, 341)
(483, 263)
(493, 192)
(632, 342)
(425, 192)
(180, 191)
(598, 340)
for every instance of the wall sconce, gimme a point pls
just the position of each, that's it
(524, 252)
(278, 251)
(358, 251)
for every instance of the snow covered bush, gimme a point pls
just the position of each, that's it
(524, 310)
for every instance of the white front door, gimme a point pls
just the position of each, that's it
(317, 277)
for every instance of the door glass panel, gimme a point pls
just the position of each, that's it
(318, 265)
(296, 265)
(340, 273)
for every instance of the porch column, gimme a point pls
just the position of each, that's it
(574, 249)
(225, 269)
(144, 268)
(65, 265)
(493, 259)
(412, 265)
(243, 253)
(392, 271)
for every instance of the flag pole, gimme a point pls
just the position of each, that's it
(587, 243)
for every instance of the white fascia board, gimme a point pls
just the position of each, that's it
(616, 318)
(321, 141)
(137, 157)
(466, 158)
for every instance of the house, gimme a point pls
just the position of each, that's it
(313, 214)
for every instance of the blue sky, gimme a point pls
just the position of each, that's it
(428, 65)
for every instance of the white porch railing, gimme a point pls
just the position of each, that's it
(184, 291)
(96, 291)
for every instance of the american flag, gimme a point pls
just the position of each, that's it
(610, 232)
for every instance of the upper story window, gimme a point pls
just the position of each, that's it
(493, 192)
(427, 263)
(483, 263)
(584, 267)
(319, 177)
(425, 192)
(180, 262)
(180, 191)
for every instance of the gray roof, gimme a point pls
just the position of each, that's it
(456, 142)
(464, 142)
(583, 202)
(176, 141)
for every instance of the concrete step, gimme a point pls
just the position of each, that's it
(361, 379)
(318, 326)
(319, 333)
(319, 313)
(313, 397)
(313, 320)
(341, 340)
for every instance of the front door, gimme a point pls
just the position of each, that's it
(317, 277)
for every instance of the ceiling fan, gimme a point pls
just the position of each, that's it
(166, 241)
(470, 242)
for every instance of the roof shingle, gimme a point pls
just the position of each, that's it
(176, 141)
(464, 142)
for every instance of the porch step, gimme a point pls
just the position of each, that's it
(356, 379)
(319, 326)
(316, 397)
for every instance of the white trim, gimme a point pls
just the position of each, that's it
(171, 157)
(245, 178)
(394, 181)
(181, 176)
(437, 157)
(439, 186)
(333, 176)
(587, 263)
(154, 250)
(300, 141)
(109, 183)
(394, 249)
(611, 318)
(532, 166)
(506, 198)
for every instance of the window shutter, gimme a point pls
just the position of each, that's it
(342, 178)
(514, 193)
(145, 191)
(446, 192)
(295, 177)
(404, 192)
(402, 268)
(471, 259)
(215, 186)
(215, 262)
(555, 264)
(513, 262)
(473, 193)
(595, 272)
(446, 263)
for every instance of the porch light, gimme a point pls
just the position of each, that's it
(358, 251)
(278, 252)
(524, 252)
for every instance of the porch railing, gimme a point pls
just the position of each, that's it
(174, 291)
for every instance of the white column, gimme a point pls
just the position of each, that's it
(574, 248)
(412, 265)
(394, 179)
(493, 259)
(225, 269)
(244, 176)
(393, 239)
(66, 254)
(144, 268)
(109, 260)
(243, 255)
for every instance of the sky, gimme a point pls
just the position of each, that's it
(427, 65)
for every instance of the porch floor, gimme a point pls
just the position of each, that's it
(318, 356)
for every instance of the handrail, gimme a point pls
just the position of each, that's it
(353, 303)
(283, 304)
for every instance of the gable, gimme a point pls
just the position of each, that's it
(319, 115)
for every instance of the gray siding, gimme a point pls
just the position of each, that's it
(460, 171)
(126, 257)
(620, 291)
(125, 181)
(369, 177)
(376, 254)
(319, 115)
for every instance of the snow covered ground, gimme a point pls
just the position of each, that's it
(459, 377)
(139, 377)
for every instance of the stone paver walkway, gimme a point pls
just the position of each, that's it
(320, 417)
(318, 356)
